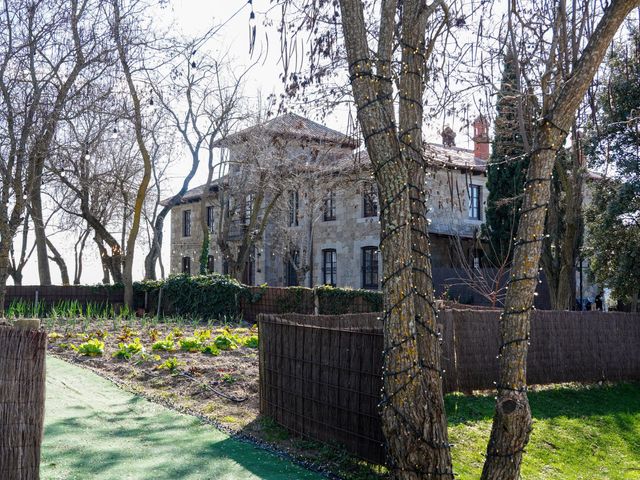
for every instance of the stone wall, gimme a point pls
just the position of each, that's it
(347, 234)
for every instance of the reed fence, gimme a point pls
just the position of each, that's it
(22, 384)
(320, 376)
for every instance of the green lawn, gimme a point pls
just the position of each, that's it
(585, 433)
(94, 430)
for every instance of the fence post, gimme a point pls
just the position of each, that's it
(316, 301)
(159, 304)
(22, 382)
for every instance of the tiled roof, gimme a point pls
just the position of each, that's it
(292, 126)
(454, 157)
(448, 157)
(193, 194)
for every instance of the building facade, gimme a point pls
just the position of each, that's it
(323, 228)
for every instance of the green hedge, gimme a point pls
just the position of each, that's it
(338, 301)
(197, 296)
(218, 296)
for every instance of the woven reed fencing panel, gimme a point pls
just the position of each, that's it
(52, 294)
(22, 382)
(320, 376)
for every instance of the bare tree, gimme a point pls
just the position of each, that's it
(131, 55)
(36, 81)
(564, 89)
(316, 186)
(250, 187)
(202, 102)
(17, 263)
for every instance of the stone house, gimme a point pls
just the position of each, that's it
(328, 232)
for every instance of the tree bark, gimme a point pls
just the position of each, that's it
(105, 261)
(44, 272)
(57, 258)
(413, 416)
(127, 275)
(512, 418)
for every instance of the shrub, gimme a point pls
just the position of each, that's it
(338, 301)
(190, 344)
(170, 364)
(127, 350)
(166, 345)
(210, 349)
(251, 342)
(199, 296)
(91, 348)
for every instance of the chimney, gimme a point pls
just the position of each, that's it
(481, 138)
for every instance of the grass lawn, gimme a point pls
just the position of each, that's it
(578, 433)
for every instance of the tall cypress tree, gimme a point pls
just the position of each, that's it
(507, 167)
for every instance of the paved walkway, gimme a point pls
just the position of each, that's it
(94, 430)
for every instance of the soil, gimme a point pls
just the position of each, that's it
(221, 389)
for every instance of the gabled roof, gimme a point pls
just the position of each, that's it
(294, 126)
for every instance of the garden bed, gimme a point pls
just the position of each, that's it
(217, 380)
(213, 369)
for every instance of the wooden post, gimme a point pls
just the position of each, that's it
(27, 323)
(22, 383)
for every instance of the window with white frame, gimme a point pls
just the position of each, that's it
(475, 202)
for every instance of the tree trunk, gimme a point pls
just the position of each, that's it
(78, 253)
(16, 276)
(155, 251)
(144, 152)
(413, 417)
(44, 272)
(57, 258)
(105, 261)
(22, 382)
(4, 271)
(512, 419)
